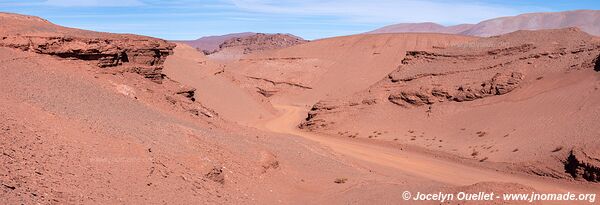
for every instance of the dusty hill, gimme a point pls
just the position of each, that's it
(280, 77)
(331, 67)
(586, 20)
(210, 44)
(528, 99)
(215, 86)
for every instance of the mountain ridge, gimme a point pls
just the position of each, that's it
(586, 20)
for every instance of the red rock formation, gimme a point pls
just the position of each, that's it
(138, 54)
(261, 41)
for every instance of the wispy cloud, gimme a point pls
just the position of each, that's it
(381, 11)
(92, 3)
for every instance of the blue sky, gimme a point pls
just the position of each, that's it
(311, 19)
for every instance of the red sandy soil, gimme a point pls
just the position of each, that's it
(216, 87)
(586, 20)
(104, 118)
(332, 67)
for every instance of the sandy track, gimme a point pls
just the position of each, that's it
(413, 163)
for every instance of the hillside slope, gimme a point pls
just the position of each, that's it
(76, 130)
(531, 102)
(331, 67)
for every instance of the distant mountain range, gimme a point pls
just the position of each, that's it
(586, 20)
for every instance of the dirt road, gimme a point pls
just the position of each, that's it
(413, 163)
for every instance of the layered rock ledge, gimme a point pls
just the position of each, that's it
(139, 54)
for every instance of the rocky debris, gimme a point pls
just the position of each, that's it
(312, 124)
(202, 111)
(513, 50)
(583, 164)
(500, 84)
(153, 73)
(413, 57)
(369, 101)
(216, 175)
(193, 107)
(268, 161)
(340, 180)
(261, 41)
(187, 92)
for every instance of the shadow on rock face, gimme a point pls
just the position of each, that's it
(597, 64)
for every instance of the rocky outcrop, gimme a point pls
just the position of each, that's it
(188, 92)
(216, 175)
(261, 41)
(500, 84)
(185, 99)
(108, 52)
(144, 56)
(313, 121)
(583, 164)
(138, 54)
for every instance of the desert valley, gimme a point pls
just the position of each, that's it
(508, 105)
